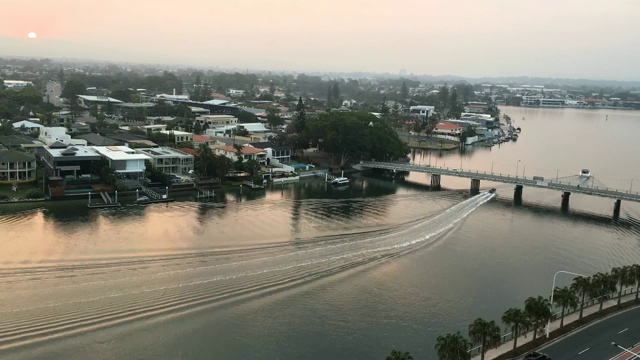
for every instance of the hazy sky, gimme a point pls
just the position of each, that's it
(594, 39)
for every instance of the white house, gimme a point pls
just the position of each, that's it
(447, 128)
(422, 110)
(50, 135)
(281, 154)
(28, 125)
(248, 153)
(17, 84)
(217, 120)
(179, 136)
(124, 160)
(169, 160)
(235, 92)
(86, 101)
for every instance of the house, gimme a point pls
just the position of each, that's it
(190, 152)
(21, 142)
(169, 160)
(349, 103)
(17, 84)
(422, 111)
(26, 126)
(248, 153)
(62, 160)
(178, 136)
(235, 92)
(217, 120)
(124, 160)
(173, 97)
(254, 127)
(97, 140)
(50, 135)
(203, 139)
(17, 167)
(281, 154)
(447, 128)
(80, 128)
(476, 108)
(87, 101)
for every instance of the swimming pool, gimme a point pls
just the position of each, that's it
(302, 166)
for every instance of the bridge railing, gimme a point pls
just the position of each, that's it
(531, 180)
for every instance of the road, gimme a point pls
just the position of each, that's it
(594, 342)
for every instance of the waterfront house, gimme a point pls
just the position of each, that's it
(476, 107)
(448, 128)
(62, 160)
(124, 160)
(281, 154)
(17, 167)
(247, 152)
(169, 160)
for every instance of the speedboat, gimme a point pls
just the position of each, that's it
(340, 181)
(492, 191)
(585, 173)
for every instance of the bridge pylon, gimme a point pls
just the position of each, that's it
(475, 187)
(435, 181)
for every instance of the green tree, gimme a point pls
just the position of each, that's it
(72, 88)
(404, 91)
(452, 347)
(300, 120)
(538, 310)
(602, 285)
(484, 333)
(582, 286)
(273, 119)
(335, 94)
(197, 128)
(635, 274)
(245, 117)
(565, 298)
(623, 277)
(517, 320)
(329, 97)
(399, 355)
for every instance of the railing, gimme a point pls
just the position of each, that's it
(508, 178)
(556, 316)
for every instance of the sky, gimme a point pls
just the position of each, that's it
(591, 39)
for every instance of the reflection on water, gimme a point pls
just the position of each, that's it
(307, 271)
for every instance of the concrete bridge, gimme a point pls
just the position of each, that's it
(567, 187)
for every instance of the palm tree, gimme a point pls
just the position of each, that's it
(453, 347)
(581, 286)
(635, 274)
(538, 310)
(602, 284)
(565, 297)
(517, 320)
(399, 355)
(484, 333)
(623, 278)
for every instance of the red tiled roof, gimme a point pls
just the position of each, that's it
(447, 126)
(189, 151)
(201, 138)
(246, 150)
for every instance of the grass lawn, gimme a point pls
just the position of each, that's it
(22, 190)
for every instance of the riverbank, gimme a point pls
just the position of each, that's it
(591, 314)
(433, 145)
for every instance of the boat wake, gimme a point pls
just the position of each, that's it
(49, 303)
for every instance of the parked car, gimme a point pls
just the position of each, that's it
(537, 356)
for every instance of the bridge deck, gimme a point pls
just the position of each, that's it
(507, 179)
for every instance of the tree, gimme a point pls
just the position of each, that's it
(538, 310)
(484, 333)
(197, 128)
(581, 285)
(300, 121)
(404, 91)
(623, 277)
(245, 117)
(335, 93)
(602, 285)
(399, 355)
(452, 347)
(635, 274)
(273, 119)
(72, 88)
(564, 297)
(329, 97)
(517, 320)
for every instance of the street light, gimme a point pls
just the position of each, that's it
(553, 288)
(627, 350)
(517, 165)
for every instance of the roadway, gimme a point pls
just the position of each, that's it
(594, 342)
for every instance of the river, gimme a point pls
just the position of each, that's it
(309, 272)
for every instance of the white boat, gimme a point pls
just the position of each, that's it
(340, 181)
(585, 173)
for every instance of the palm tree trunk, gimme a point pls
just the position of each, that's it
(637, 290)
(515, 338)
(562, 317)
(601, 303)
(582, 305)
(535, 330)
(620, 294)
(483, 350)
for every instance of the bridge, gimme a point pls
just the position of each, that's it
(567, 187)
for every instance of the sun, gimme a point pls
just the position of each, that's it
(32, 35)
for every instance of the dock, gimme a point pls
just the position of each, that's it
(108, 202)
(154, 197)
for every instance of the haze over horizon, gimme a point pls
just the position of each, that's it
(494, 38)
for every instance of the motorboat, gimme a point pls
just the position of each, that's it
(585, 173)
(340, 181)
(492, 191)
(142, 199)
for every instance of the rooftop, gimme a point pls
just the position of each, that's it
(27, 124)
(246, 150)
(15, 156)
(201, 138)
(189, 151)
(119, 153)
(448, 126)
(98, 140)
(99, 98)
(75, 151)
(162, 152)
(175, 132)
